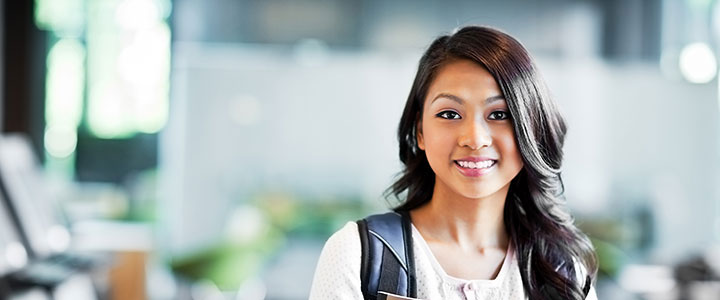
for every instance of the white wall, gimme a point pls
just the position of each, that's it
(252, 119)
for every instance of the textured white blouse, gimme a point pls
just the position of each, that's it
(337, 275)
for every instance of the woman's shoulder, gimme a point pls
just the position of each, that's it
(337, 275)
(343, 248)
(347, 238)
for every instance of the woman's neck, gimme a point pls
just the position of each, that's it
(471, 224)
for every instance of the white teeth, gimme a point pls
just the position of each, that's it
(476, 165)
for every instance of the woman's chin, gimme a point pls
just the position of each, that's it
(476, 194)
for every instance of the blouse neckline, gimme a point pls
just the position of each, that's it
(420, 240)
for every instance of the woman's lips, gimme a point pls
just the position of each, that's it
(475, 168)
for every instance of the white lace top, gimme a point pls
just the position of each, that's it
(337, 275)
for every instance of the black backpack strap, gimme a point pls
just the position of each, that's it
(586, 288)
(409, 250)
(387, 262)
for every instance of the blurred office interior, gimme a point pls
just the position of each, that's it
(206, 149)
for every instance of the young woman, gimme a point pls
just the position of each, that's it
(481, 142)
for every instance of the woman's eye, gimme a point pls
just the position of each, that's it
(448, 114)
(499, 115)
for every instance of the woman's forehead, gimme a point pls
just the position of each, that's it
(460, 100)
(463, 76)
(464, 79)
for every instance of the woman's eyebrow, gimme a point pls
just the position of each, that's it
(461, 101)
(494, 99)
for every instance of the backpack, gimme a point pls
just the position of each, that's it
(388, 263)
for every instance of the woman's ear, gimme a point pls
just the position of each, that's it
(419, 137)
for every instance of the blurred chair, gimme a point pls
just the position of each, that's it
(30, 199)
(13, 260)
(41, 239)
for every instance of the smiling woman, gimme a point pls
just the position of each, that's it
(465, 130)
(482, 213)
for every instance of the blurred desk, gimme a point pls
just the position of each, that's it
(128, 242)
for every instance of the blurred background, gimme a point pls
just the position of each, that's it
(206, 149)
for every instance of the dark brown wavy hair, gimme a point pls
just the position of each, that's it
(551, 250)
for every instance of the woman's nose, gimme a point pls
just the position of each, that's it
(475, 135)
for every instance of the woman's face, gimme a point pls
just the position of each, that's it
(466, 132)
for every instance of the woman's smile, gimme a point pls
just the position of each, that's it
(475, 166)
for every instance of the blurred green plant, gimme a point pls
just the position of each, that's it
(281, 216)
(315, 217)
(228, 264)
(608, 236)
